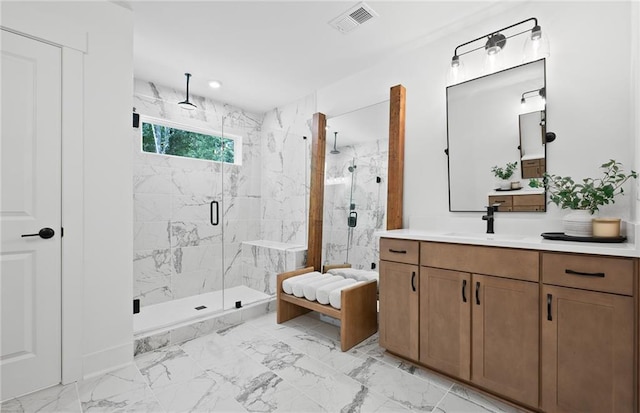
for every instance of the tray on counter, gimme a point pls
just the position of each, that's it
(560, 236)
(508, 190)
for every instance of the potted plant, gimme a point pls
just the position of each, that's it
(586, 197)
(504, 173)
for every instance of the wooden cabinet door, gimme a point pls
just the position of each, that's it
(445, 320)
(399, 289)
(505, 337)
(587, 351)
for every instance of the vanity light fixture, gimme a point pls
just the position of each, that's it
(536, 46)
(185, 104)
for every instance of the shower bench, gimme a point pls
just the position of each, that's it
(358, 314)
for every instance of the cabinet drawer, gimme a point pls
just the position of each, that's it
(503, 200)
(527, 208)
(532, 162)
(589, 272)
(399, 250)
(501, 262)
(537, 199)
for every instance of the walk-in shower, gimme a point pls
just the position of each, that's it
(210, 236)
(355, 187)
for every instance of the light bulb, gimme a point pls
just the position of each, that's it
(536, 45)
(456, 73)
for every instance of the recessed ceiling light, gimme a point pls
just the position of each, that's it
(215, 84)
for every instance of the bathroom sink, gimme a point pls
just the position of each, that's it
(481, 236)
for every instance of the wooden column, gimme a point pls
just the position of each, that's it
(395, 179)
(316, 191)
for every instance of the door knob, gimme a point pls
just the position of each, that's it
(45, 233)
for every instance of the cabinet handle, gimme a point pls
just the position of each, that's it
(413, 278)
(586, 274)
(464, 287)
(398, 251)
(549, 298)
(478, 293)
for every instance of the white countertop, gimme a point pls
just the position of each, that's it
(523, 191)
(624, 249)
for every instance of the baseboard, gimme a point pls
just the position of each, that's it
(106, 360)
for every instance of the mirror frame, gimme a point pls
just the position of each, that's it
(395, 178)
(446, 151)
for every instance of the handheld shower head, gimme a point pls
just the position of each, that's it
(335, 139)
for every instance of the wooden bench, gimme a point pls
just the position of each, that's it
(358, 314)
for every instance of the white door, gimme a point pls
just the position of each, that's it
(30, 202)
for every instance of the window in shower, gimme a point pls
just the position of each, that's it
(168, 138)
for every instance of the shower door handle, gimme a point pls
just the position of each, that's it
(217, 221)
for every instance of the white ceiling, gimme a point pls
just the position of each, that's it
(269, 53)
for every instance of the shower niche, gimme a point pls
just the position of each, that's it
(355, 191)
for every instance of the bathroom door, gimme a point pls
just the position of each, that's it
(30, 216)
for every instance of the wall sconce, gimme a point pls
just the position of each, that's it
(536, 46)
(535, 92)
(185, 104)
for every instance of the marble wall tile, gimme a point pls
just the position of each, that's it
(151, 235)
(173, 194)
(151, 207)
(153, 289)
(151, 179)
(361, 190)
(146, 344)
(191, 283)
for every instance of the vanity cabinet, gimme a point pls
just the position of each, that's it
(518, 203)
(533, 168)
(552, 331)
(399, 301)
(587, 333)
(479, 316)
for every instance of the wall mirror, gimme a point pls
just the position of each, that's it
(491, 121)
(355, 185)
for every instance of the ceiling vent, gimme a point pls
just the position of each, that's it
(353, 18)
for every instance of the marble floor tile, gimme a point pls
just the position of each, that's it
(167, 366)
(261, 366)
(483, 400)
(54, 399)
(452, 403)
(114, 390)
(200, 394)
(403, 388)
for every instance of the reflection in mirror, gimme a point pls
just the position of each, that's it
(484, 129)
(355, 190)
(532, 144)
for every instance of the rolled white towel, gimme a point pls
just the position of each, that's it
(356, 274)
(322, 293)
(310, 288)
(335, 296)
(298, 286)
(287, 285)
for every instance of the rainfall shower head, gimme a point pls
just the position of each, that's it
(335, 139)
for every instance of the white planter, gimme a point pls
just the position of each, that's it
(504, 184)
(577, 223)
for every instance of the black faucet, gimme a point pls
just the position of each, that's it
(489, 217)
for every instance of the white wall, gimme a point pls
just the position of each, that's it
(107, 32)
(589, 105)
